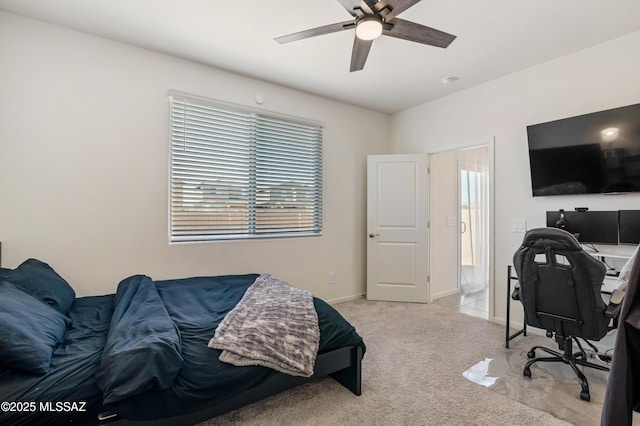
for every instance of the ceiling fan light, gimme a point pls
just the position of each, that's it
(369, 28)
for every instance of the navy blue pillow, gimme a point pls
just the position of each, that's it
(42, 282)
(29, 330)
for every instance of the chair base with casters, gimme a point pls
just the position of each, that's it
(568, 357)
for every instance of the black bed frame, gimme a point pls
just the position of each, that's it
(343, 364)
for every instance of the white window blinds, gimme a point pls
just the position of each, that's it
(242, 173)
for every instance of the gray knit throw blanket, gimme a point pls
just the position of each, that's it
(274, 325)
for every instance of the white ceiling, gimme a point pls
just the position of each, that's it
(495, 38)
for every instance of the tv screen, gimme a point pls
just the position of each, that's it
(591, 227)
(629, 226)
(587, 154)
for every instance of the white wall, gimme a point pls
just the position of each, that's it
(601, 77)
(84, 142)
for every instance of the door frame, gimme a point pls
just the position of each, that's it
(490, 142)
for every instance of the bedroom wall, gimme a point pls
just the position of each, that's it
(601, 77)
(84, 142)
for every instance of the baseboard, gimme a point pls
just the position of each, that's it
(502, 321)
(516, 325)
(444, 294)
(345, 298)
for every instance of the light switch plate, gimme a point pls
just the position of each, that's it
(518, 225)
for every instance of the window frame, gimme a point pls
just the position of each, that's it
(251, 190)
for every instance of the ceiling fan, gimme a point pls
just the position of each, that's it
(372, 19)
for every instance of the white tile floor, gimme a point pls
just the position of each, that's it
(474, 304)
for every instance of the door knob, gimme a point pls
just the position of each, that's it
(372, 235)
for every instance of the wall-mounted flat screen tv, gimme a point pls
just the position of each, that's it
(587, 154)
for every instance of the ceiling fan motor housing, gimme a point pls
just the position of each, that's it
(369, 27)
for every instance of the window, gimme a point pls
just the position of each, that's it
(242, 173)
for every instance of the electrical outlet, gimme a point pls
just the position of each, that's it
(332, 278)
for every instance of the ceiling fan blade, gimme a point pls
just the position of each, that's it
(411, 31)
(357, 8)
(327, 29)
(359, 53)
(389, 9)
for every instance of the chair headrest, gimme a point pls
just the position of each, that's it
(551, 237)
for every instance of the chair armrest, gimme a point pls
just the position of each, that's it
(615, 303)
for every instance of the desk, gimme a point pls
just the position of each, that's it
(610, 281)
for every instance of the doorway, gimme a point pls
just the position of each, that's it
(473, 190)
(461, 230)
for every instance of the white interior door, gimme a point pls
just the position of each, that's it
(397, 258)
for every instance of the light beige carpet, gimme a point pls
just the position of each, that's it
(412, 375)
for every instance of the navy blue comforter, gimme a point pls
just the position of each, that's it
(142, 353)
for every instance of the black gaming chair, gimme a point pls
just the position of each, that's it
(560, 291)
